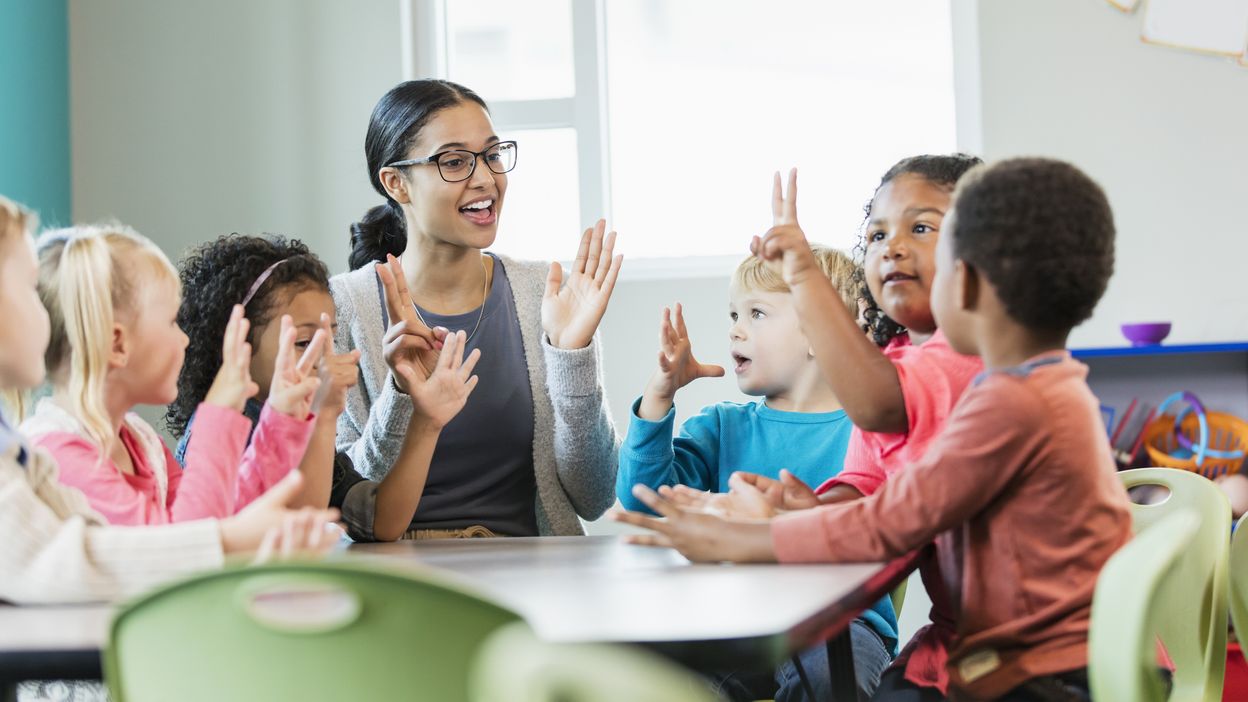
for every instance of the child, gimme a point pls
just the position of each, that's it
(56, 548)
(799, 421)
(898, 400)
(113, 297)
(1027, 255)
(275, 277)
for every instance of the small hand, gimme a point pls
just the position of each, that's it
(233, 386)
(784, 246)
(408, 341)
(295, 382)
(439, 397)
(341, 371)
(697, 535)
(571, 312)
(677, 366)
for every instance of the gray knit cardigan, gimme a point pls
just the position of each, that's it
(575, 447)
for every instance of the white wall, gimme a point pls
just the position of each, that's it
(1162, 130)
(191, 120)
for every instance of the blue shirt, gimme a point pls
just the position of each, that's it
(728, 437)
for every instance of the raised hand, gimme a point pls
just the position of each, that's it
(339, 372)
(295, 382)
(571, 312)
(440, 396)
(408, 342)
(785, 245)
(677, 367)
(233, 386)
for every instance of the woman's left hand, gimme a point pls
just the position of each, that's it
(571, 312)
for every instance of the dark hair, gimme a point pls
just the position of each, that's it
(939, 169)
(215, 277)
(394, 127)
(1042, 232)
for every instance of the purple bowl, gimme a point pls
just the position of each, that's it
(1146, 333)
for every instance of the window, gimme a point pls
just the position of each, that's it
(704, 100)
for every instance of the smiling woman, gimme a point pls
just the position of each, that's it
(534, 446)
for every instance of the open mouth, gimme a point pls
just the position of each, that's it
(740, 363)
(898, 277)
(480, 212)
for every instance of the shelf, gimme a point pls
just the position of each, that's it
(1161, 350)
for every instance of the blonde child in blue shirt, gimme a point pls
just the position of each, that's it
(798, 425)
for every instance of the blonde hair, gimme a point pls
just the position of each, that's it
(86, 276)
(16, 222)
(756, 274)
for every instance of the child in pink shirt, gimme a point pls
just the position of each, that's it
(113, 299)
(1019, 489)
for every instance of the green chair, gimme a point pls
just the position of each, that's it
(1239, 582)
(1133, 606)
(898, 595)
(514, 665)
(334, 631)
(1193, 617)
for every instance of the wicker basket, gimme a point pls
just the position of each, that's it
(1226, 433)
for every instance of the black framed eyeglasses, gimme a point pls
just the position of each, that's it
(459, 164)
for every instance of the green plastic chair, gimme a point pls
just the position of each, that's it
(1130, 608)
(1239, 582)
(328, 631)
(516, 666)
(898, 596)
(1192, 619)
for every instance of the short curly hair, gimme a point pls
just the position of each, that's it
(940, 169)
(215, 277)
(1042, 232)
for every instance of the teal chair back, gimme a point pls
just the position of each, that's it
(1192, 621)
(328, 631)
(517, 667)
(1136, 588)
(1239, 582)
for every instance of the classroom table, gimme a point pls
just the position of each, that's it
(574, 589)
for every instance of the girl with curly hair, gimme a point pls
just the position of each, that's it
(277, 278)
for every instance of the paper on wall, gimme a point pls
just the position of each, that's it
(1210, 26)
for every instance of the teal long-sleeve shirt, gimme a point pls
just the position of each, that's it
(728, 437)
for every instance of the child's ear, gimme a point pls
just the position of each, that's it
(119, 351)
(969, 285)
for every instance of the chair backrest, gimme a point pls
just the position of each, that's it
(515, 666)
(339, 630)
(1192, 617)
(1133, 592)
(1239, 582)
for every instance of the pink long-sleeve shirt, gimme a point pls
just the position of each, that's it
(223, 474)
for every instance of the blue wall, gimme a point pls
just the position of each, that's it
(34, 106)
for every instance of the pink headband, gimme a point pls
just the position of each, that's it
(260, 281)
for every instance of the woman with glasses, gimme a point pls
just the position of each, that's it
(534, 447)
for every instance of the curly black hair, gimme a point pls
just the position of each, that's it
(1042, 232)
(215, 277)
(939, 169)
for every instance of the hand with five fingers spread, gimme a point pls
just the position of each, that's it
(408, 342)
(440, 396)
(785, 245)
(698, 536)
(677, 367)
(571, 312)
(233, 386)
(295, 382)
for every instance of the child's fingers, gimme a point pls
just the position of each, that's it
(777, 199)
(655, 501)
(664, 364)
(790, 202)
(267, 545)
(229, 342)
(312, 354)
(652, 540)
(791, 480)
(244, 347)
(710, 370)
(285, 347)
(680, 322)
(638, 519)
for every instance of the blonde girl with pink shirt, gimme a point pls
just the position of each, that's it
(113, 299)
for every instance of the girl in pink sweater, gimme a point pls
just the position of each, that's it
(113, 299)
